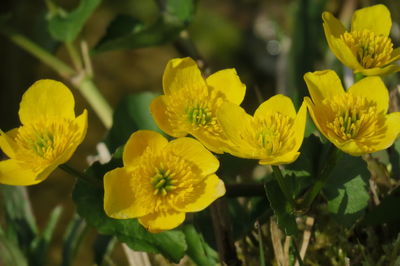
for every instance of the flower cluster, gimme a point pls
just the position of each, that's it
(162, 180)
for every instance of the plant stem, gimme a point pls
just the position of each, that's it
(62, 69)
(260, 243)
(84, 84)
(68, 169)
(86, 59)
(282, 184)
(297, 253)
(99, 104)
(333, 155)
(76, 60)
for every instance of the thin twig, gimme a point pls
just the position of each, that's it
(276, 236)
(74, 55)
(306, 238)
(87, 62)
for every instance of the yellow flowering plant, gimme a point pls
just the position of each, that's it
(273, 135)
(190, 102)
(161, 181)
(355, 121)
(49, 135)
(273, 170)
(367, 47)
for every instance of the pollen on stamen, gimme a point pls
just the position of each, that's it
(371, 50)
(43, 141)
(354, 116)
(274, 133)
(163, 181)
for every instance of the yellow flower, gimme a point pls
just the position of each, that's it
(161, 181)
(367, 48)
(273, 135)
(190, 102)
(49, 135)
(354, 121)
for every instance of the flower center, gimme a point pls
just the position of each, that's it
(371, 50)
(274, 132)
(354, 116)
(45, 140)
(163, 181)
(199, 115)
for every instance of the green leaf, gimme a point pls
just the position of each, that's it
(126, 32)
(178, 9)
(89, 202)
(131, 114)
(10, 254)
(21, 224)
(72, 238)
(138, 35)
(346, 189)
(102, 248)
(41, 244)
(66, 26)
(198, 250)
(282, 209)
(299, 174)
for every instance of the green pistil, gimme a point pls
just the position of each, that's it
(163, 182)
(42, 142)
(350, 118)
(199, 116)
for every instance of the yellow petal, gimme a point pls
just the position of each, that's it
(214, 143)
(160, 221)
(344, 54)
(228, 82)
(194, 152)
(351, 147)
(182, 73)
(323, 84)
(379, 71)
(120, 201)
(14, 173)
(299, 126)
(278, 160)
(7, 143)
(395, 55)
(334, 25)
(313, 111)
(158, 109)
(139, 142)
(63, 157)
(276, 104)
(237, 126)
(333, 29)
(374, 90)
(391, 133)
(46, 98)
(374, 18)
(82, 122)
(202, 195)
(46, 172)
